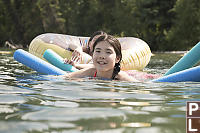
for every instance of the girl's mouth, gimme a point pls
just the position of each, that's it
(101, 62)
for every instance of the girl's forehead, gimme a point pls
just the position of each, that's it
(104, 44)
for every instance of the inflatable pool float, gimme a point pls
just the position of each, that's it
(36, 63)
(136, 53)
(56, 60)
(187, 75)
(187, 61)
(41, 66)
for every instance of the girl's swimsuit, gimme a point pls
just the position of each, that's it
(95, 74)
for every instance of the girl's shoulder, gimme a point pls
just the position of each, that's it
(123, 76)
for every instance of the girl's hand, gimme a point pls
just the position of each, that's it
(66, 61)
(77, 55)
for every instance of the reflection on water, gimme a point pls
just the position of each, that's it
(30, 102)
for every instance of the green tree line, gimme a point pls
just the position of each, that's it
(163, 24)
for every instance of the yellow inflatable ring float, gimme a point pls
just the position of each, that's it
(136, 53)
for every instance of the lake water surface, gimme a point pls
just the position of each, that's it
(34, 103)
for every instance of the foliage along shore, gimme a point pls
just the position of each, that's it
(166, 25)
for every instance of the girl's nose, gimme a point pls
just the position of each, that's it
(102, 56)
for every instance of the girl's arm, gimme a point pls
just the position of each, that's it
(123, 76)
(83, 66)
(87, 72)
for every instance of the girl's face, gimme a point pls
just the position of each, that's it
(104, 56)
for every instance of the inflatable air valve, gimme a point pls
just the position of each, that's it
(56, 60)
(36, 63)
(187, 61)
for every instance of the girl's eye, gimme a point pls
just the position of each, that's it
(97, 51)
(109, 52)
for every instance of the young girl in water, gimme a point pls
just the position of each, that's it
(88, 49)
(106, 57)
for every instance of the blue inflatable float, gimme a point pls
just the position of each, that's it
(56, 60)
(188, 75)
(187, 61)
(36, 63)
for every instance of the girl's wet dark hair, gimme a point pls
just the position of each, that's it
(100, 32)
(117, 47)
